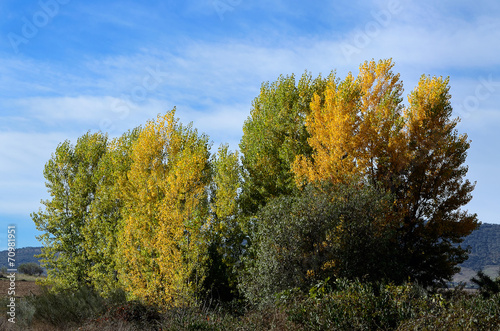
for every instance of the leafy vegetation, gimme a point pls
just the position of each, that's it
(161, 246)
(273, 135)
(30, 269)
(328, 305)
(323, 232)
(487, 286)
(361, 130)
(342, 197)
(484, 243)
(69, 175)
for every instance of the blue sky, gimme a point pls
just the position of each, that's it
(69, 66)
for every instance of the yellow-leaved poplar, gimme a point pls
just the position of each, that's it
(332, 124)
(161, 243)
(357, 130)
(363, 133)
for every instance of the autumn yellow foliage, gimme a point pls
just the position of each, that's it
(357, 130)
(161, 242)
(153, 212)
(363, 132)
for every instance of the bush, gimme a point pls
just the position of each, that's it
(467, 312)
(67, 308)
(136, 312)
(31, 269)
(354, 305)
(328, 305)
(337, 232)
(487, 286)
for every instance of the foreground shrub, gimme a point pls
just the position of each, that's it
(329, 305)
(328, 231)
(135, 312)
(487, 285)
(469, 312)
(355, 305)
(66, 308)
(362, 306)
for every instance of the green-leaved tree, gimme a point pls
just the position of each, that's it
(70, 182)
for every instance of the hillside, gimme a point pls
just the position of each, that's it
(23, 255)
(485, 247)
(484, 244)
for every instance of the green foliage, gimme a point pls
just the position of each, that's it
(273, 135)
(433, 187)
(69, 180)
(487, 286)
(354, 305)
(30, 269)
(327, 305)
(224, 232)
(340, 187)
(360, 129)
(137, 313)
(464, 312)
(106, 212)
(70, 309)
(161, 244)
(67, 308)
(333, 232)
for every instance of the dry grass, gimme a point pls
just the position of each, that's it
(23, 287)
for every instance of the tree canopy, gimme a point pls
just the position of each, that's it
(362, 131)
(273, 135)
(70, 183)
(161, 242)
(335, 178)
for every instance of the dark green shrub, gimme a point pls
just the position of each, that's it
(465, 312)
(353, 305)
(487, 286)
(332, 231)
(31, 269)
(68, 307)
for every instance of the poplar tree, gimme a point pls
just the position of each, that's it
(69, 181)
(225, 229)
(432, 187)
(273, 135)
(362, 130)
(161, 245)
(106, 212)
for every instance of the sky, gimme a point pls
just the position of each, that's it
(68, 67)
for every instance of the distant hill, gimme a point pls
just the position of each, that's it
(485, 247)
(23, 255)
(484, 254)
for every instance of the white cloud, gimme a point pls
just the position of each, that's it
(53, 110)
(23, 158)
